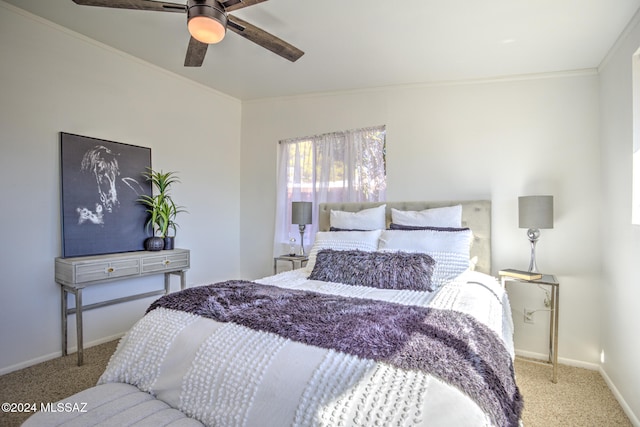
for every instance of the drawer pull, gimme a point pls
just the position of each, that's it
(110, 270)
(167, 262)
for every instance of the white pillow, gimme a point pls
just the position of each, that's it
(366, 219)
(450, 249)
(458, 241)
(449, 216)
(343, 241)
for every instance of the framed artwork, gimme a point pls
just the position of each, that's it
(100, 184)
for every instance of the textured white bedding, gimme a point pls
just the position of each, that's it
(224, 374)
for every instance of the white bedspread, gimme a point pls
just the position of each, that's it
(228, 375)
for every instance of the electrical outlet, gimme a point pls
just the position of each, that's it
(528, 315)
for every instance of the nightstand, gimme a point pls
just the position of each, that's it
(551, 281)
(297, 261)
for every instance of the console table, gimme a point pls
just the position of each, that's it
(75, 274)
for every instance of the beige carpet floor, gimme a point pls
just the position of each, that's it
(581, 398)
(52, 380)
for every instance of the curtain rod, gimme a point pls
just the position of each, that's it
(289, 140)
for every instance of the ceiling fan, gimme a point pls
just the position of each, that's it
(208, 21)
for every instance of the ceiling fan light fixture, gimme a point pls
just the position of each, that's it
(207, 21)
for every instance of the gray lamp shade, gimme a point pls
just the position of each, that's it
(535, 211)
(301, 213)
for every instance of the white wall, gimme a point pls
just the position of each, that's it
(52, 80)
(620, 291)
(490, 140)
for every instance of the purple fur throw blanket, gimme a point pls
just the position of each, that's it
(449, 345)
(385, 270)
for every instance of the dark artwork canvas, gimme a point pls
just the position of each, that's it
(101, 182)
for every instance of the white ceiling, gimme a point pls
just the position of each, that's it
(355, 44)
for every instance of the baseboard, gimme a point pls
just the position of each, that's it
(561, 360)
(55, 355)
(625, 407)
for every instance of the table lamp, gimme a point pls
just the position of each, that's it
(301, 215)
(535, 212)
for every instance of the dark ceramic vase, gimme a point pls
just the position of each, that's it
(169, 242)
(154, 243)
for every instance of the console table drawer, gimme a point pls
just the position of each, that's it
(168, 262)
(108, 270)
(86, 271)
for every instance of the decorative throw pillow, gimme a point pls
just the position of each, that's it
(342, 229)
(384, 270)
(366, 219)
(450, 249)
(394, 226)
(343, 240)
(448, 216)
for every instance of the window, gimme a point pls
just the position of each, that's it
(635, 198)
(336, 167)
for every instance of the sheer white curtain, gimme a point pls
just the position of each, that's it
(335, 167)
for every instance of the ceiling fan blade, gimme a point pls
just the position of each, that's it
(231, 5)
(159, 6)
(264, 39)
(195, 53)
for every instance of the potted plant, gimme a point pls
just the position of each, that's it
(161, 208)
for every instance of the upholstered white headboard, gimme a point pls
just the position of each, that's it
(476, 214)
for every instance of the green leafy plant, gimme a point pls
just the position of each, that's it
(161, 208)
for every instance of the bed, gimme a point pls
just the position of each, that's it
(395, 321)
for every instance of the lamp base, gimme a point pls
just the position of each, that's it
(533, 234)
(301, 227)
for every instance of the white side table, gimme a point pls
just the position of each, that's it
(297, 261)
(551, 281)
